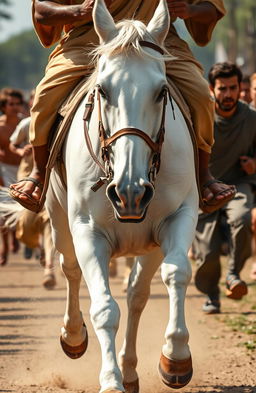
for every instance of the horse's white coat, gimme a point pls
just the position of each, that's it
(85, 229)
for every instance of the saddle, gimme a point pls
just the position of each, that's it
(65, 116)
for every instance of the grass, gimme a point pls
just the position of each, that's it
(241, 318)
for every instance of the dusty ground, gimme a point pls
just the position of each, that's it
(32, 361)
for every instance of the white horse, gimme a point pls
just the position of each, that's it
(129, 215)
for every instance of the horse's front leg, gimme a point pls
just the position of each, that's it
(74, 336)
(176, 236)
(94, 259)
(137, 296)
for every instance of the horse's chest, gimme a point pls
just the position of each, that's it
(131, 239)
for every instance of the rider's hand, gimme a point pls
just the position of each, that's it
(87, 6)
(180, 9)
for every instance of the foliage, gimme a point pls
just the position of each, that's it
(237, 32)
(23, 60)
(4, 14)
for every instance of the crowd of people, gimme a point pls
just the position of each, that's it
(226, 167)
(16, 163)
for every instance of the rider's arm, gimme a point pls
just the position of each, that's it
(52, 13)
(204, 12)
(200, 17)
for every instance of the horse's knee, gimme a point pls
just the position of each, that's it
(137, 298)
(105, 315)
(179, 272)
(70, 268)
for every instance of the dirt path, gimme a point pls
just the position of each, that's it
(32, 361)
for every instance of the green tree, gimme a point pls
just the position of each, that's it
(23, 60)
(237, 32)
(4, 14)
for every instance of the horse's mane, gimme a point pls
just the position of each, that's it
(130, 32)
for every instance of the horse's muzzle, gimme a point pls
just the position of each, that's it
(130, 202)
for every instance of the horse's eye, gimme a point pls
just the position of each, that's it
(161, 94)
(102, 93)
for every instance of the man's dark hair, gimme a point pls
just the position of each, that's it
(224, 70)
(7, 92)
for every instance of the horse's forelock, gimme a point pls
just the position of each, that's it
(130, 33)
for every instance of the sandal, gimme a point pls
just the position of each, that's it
(236, 288)
(215, 204)
(31, 203)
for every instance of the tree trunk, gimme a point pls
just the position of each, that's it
(233, 32)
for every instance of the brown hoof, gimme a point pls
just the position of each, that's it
(131, 387)
(49, 281)
(77, 351)
(112, 391)
(3, 259)
(175, 373)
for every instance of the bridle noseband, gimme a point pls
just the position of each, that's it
(106, 141)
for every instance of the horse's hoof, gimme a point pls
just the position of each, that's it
(77, 351)
(49, 280)
(112, 391)
(3, 259)
(175, 373)
(131, 387)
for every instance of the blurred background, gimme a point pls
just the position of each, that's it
(23, 59)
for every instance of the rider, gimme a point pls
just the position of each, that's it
(69, 22)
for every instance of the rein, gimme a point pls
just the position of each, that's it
(105, 141)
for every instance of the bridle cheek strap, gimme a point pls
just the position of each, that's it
(105, 142)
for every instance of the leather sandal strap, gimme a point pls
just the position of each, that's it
(210, 182)
(36, 182)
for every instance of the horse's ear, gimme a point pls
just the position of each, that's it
(159, 25)
(104, 24)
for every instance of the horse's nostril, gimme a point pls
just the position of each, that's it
(133, 199)
(148, 195)
(113, 196)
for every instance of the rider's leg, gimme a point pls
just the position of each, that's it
(63, 72)
(188, 77)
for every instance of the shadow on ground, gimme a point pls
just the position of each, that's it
(226, 389)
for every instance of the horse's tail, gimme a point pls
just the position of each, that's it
(10, 211)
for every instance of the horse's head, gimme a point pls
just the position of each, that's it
(131, 92)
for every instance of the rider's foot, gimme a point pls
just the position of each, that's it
(214, 193)
(214, 190)
(29, 190)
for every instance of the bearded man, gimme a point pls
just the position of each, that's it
(233, 161)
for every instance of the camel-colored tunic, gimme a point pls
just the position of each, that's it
(69, 62)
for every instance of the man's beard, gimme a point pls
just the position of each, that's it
(223, 104)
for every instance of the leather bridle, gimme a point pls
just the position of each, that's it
(105, 141)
